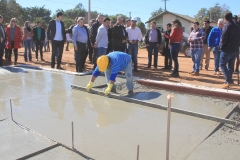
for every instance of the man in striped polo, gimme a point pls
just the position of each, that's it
(111, 64)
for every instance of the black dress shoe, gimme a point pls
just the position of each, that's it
(165, 68)
(135, 70)
(60, 68)
(130, 92)
(174, 74)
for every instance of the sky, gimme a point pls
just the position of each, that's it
(138, 8)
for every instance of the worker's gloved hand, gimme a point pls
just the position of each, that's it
(109, 88)
(89, 86)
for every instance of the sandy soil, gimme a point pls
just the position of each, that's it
(206, 78)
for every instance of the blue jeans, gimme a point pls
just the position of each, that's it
(174, 50)
(128, 74)
(196, 58)
(133, 51)
(45, 43)
(216, 53)
(28, 46)
(227, 65)
(101, 51)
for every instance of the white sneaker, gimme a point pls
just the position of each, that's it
(217, 73)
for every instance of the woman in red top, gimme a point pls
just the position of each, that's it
(14, 39)
(175, 40)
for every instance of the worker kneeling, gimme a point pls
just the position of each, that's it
(111, 64)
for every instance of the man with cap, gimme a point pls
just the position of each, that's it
(134, 36)
(111, 64)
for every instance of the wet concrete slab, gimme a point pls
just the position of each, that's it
(17, 142)
(200, 104)
(104, 128)
(223, 144)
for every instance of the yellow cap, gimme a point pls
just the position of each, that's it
(102, 63)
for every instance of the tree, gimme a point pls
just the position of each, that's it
(202, 15)
(142, 27)
(10, 9)
(156, 12)
(213, 13)
(34, 14)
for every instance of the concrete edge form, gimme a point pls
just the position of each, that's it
(223, 93)
(39, 152)
(144, 103)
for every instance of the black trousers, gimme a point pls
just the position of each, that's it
(119, 48)
(39, 47)
(152, 47)
(90, 52)
(2, 46)
(167, 58)
(80, 56)
(94, 58)
(57, 49)
(9, 53)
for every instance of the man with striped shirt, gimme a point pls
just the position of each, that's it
(111, 64)
(196, 39)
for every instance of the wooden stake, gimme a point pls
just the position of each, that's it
(72, 136)
(11, 109)
(168, 125)
(138, 152)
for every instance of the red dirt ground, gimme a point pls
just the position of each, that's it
(206, 78)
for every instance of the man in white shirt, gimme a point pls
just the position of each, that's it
(134, 36)
(102, 38)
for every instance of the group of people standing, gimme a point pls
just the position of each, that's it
(223, 40)
(103, 37)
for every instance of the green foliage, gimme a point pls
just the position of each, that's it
(41, 19)
(34, 14)
(156, 12)
(10, 9)
(213, 13)
(68, 22)
(142, 27)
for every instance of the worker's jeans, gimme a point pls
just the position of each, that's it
(128, 74)
(196, 55)
(227, 65)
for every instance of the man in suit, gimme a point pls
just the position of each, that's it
(39, 38)
(2, 40)
(56, 34)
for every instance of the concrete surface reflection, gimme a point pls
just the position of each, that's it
(109, 112)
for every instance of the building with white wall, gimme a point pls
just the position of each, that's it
(166, 17)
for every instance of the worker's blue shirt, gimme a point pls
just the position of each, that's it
(118, 62)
